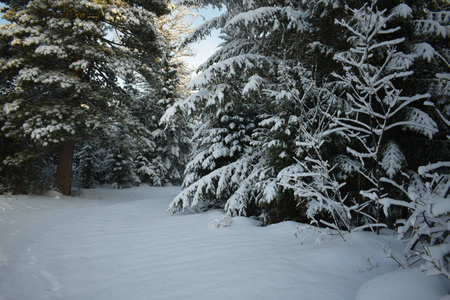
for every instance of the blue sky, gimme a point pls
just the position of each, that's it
(1, 20)
(207, 47)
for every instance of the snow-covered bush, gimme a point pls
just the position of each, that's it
(311, 176)
(427, 230)
(221, 222)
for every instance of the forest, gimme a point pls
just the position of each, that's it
(334, 113)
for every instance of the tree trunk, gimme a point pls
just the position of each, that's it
(379, 194)
(63, 178)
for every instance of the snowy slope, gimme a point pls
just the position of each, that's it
(121, 244)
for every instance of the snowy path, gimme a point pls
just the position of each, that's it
(121, 244)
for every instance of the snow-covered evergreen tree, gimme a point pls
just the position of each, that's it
(432, 32)
(227, 110)
(282, 138)
(428, 42)
(249, 115)
(173, 138)
(374, 107)
(157, 154)
(218, 165)
(90, 164)
(67, 58)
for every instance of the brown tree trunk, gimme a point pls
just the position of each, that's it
(63, 178)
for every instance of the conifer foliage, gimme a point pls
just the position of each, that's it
(309, 111)
(65, 85)
(373, 105)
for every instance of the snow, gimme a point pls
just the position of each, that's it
(253, 84)
(256, 16)
(425, 51)
(441, 206)
(402, 11)
(121, 244)
(431, 167)
(393, 159)
(410, 284)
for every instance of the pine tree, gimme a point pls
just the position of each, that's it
(65, 69)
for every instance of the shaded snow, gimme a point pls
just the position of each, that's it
(121, 244)
(410, 284)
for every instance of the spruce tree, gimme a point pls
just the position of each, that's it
(158, 155)
(250, 101)
(248, 113)
(67, 59)
(173, 137)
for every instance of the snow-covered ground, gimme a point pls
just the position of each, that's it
(121, 244)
